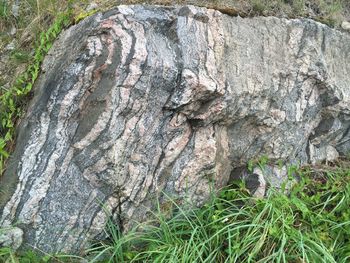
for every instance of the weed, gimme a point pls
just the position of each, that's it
(262, 162)
(4, 9)
(250, 166)
(20, 56)
(83, 15)
(311, 225)
(12, 100)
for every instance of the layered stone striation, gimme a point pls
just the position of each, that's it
(145, 100)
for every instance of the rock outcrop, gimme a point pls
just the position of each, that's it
(145, 100)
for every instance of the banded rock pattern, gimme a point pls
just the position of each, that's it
(143, 100)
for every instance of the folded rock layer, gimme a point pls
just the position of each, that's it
(145, 100)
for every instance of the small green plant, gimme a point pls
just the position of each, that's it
(4, 9)
(83, 15)
(298, 7)
(280, 164)
(20, 56)
(263, 161)
(7, 255)
(13, 100)
(250, 166)
(260, 162)
(328, 12)
(258, 6)
(312, 224)
(292, 170)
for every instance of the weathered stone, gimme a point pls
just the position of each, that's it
(13, 31)
(91, 6)
(254, 180)
(263, 177)
(11, 237)
(11, 46)
(346, 25)
(143, 100)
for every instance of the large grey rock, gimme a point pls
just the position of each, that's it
(143, 100)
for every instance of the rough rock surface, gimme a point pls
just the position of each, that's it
(143, 99)
(346, 25)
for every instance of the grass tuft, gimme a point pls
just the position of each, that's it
(312, 224)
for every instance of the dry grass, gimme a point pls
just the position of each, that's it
(34, 16)
(22, 30)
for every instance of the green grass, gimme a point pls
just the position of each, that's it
(311, 224)
(12, 100)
